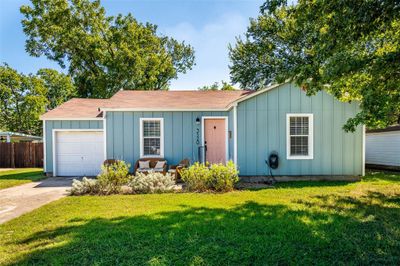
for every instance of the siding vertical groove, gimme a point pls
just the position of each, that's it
(330, 144)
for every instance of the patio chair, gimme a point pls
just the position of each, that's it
(175, 169)
(109, 162)
(151, 166)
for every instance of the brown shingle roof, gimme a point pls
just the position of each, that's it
(146, 100)
(77, 108)
(205, 100)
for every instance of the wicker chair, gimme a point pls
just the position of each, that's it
(152, 164)
(109, 162)
(175, 169)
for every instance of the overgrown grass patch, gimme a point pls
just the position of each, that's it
(20, 176)
(293, 223)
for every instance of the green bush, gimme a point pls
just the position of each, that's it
(197, 177)
(152, 182)
(216, 177)
(113, 177)
(86, 186)
(224, 177)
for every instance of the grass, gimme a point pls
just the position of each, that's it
(294, 223)
(19, 176)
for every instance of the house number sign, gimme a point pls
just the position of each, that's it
(197, 136)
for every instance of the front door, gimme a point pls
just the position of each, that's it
(215, 140)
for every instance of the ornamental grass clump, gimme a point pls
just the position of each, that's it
(109, 181)
(215, 177)
(113, 177)
(86, 186)
(197, 177)
(224, 177)
(152, 182)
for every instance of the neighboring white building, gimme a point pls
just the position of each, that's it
(383, 147)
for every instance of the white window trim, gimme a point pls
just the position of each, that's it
(310, 155)
(142, 119)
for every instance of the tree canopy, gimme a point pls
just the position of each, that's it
(103, 53)
(224, 86)
(349, 48)
(23, 98)
(59, 87)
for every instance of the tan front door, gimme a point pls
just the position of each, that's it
(215, 140)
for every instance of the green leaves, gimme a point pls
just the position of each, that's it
(59, 87)
(103, 53)
(349, 48)
(225, 86)
(23, 98)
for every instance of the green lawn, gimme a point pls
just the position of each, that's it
(19, 176)
(295, 223)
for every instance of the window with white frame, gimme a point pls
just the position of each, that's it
(299, 136)
(151, 132)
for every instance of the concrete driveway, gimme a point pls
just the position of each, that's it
(15, 201)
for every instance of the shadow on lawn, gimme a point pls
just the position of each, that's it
(327, 229)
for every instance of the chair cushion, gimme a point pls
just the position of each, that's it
(158, 169)
(144, 164)
(171, 170)
(159, 164)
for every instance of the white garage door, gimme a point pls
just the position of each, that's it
(78, 153)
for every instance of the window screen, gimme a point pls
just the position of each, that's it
(299, 135)
(151, 137)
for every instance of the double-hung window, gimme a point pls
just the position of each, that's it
(151, 137)
(299, 136)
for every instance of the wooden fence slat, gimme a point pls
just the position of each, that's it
(21, 154)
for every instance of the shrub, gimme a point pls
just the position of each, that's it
(86, 186)
(113, 177)
(197, 177)
(152, 182)
(218, 177)
(224, 177)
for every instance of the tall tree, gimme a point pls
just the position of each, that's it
(59, 87)
(225, 86)
(349, 48)
(22, 101)
(23, 98)
(103, 53)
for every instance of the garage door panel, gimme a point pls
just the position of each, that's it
(69, 148)
(79, 153)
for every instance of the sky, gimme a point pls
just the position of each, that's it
(208, 25)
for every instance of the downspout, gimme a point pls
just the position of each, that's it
(105, 134)
(44, 147)
(235, 134)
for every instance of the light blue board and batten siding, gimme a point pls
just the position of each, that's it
(262, 129)
(182, 135)
(64, 124)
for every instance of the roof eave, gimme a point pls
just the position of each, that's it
(163, 109)
(70, 118)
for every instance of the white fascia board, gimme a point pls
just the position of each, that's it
(255, 94)
(161, 110)
(73, 119)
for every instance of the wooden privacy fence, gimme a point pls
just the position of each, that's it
(21, 154)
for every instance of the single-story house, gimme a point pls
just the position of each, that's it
(246, 127)
(382, 148)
